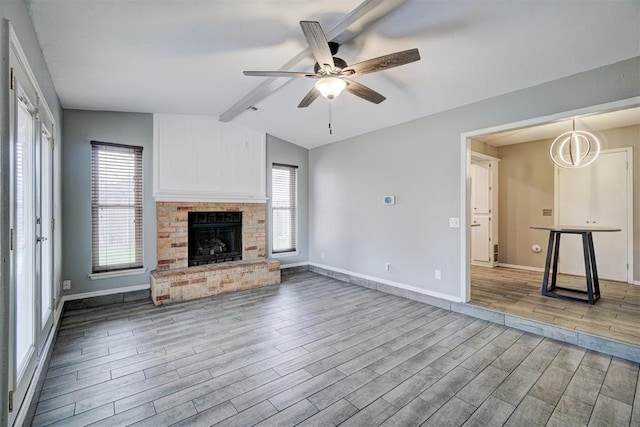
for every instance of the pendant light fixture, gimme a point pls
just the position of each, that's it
(574, 149)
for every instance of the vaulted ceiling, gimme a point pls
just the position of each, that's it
(187, 56)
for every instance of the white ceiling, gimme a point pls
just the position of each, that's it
(187, 56)
(591, 123)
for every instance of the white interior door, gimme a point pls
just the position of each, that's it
(574, 197)
(480, 213)
(609, 208)
(596, 195)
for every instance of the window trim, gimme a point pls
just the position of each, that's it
(295, 250)
(137, 267)
(117, 273)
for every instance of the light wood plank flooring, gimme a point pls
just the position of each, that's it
(318, 352)
(616, 315)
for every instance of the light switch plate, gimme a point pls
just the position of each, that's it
(454, 222)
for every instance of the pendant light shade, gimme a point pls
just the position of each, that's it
(574, 149)
(330, 87)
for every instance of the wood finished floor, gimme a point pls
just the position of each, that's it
(616, 315)
(319, 352)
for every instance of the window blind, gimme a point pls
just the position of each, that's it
(284, 195)
(116, 206)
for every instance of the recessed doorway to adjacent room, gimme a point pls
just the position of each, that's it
(531, 190)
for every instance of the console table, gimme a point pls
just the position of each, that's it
(593, 285)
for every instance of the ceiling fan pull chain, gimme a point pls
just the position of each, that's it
(330, 130)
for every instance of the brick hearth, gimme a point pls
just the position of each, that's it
(185, 284)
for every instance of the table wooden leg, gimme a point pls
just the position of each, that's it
(547, 265)
(588, 268)
(556, 253)
(550, 287)
(594, 269)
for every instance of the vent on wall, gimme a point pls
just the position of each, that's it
(254, 109)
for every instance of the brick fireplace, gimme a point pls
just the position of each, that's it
(174, 281)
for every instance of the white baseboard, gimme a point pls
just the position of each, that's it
(521, 267)
(104, 292)
(295, 264)
(389, 283)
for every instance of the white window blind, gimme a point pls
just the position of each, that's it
(284, 195)
(116, 206)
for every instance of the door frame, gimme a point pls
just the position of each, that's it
(22, 394)
(465, 161)
(556, 202)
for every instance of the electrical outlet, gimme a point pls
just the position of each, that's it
(321, 255)
(438, 274)
(454, 222)
(387, 266)
(66, 285)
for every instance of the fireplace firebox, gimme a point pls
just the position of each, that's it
(214, 237)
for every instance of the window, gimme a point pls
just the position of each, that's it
(116, 206)
(284, 195)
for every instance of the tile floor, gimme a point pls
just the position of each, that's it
(616, 315)
(318, 352)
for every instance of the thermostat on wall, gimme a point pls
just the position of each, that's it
(389, 200)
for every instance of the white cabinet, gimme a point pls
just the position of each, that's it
(200, 158)
(480, 188)
(598, 195)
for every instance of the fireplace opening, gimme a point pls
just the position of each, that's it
(214, 237)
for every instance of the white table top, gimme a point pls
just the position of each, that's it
(573, 228)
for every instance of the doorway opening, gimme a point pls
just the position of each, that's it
(530, 192)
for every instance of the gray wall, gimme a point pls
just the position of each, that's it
(17, 13)
(80, 128)
(525, 174)
(280, 151)
(420, 163)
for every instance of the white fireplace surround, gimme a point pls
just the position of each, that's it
(199, 159)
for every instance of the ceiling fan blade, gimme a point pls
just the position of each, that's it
(309, 98)
(318, 43)
(279, 74)
(364, 92)
(382, 62)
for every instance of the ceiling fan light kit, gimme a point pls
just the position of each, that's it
(332, 72)
(331, 86)
(574, 149)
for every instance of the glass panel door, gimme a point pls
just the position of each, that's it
(24, 318)
(31, 217)
(24, 232)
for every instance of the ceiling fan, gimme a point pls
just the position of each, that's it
(333, 74)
